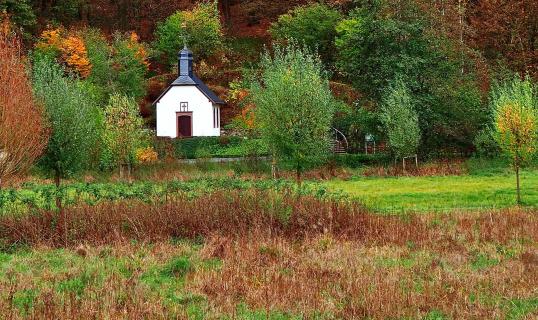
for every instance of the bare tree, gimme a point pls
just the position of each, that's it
(22, 133)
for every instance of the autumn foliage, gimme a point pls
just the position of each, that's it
(22, 131)
(516, 124)
(71, 48)
(140, 51)
(147, 155)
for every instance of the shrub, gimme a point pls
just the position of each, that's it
(73, 118)
(359, 160)
(224, 147)
(199, 27)
(146, 155)
(22, 130)
(123, 132)
(186, 148)
(485, 144)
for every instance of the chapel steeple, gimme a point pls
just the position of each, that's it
(185, 62)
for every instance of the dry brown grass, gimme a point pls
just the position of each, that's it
(331, 259)
(431, 169)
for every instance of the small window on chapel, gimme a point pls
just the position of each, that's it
(214, 117)
(184, 106)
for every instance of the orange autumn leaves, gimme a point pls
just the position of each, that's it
(140, 51)
(71, 49)
(75, 55)
(239, 96)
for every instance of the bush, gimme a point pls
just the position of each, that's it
(223, 147)
(359, 160)
(200, 27)
(23, 135)
(486, 145)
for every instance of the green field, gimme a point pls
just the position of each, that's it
(393, 194)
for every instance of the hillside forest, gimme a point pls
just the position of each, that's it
(447, 56)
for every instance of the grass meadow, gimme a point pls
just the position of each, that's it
(260, 255)
(482, 185)
(221, 246)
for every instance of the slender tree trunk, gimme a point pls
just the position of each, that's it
(273, 167)
(518, 186)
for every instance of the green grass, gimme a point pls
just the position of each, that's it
(481, 189)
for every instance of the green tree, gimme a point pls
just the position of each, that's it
(383, 40)
(400, 121)
(294, 106)
(120, 66)
(313, 25)
(130, 64)
(100, 55)
(515, 122)
(124, 132)
(73, 118)
(200, 28)
(20, 13)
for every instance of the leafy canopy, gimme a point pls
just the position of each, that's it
(124, 131)
(72, 116)
(384, 40)
(200, 28)
(294, 105)
(400, 121)
(131, 65)
(515, 106)
(313, 25)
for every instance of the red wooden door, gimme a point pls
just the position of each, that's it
(184, 126)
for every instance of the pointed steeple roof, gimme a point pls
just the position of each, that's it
(186, 77)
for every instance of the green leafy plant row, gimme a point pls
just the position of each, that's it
(44, 196)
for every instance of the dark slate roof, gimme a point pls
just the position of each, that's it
(187, 78)
(183, 81)
(193, 81)
(205, 90)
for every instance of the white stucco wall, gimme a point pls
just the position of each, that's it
(200, 106)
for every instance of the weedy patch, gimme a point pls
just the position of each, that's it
(231, 256)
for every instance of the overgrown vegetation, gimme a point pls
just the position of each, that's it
(288, 257)
(294, 127)
(199, 28)
(23, 133)
(74, 121)
(187, 237)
